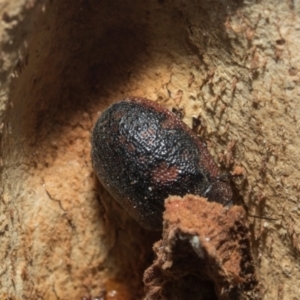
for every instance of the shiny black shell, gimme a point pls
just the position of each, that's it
(142, 153)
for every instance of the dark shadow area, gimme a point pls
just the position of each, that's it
(132, 251)
(193, 281)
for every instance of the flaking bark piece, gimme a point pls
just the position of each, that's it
(204, 253)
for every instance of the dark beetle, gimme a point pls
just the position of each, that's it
(142, 153)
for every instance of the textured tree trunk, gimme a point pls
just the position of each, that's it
(232, 65)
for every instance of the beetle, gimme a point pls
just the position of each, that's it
(142, 153)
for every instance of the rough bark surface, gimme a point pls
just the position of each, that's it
(204, 253)
(233, 65)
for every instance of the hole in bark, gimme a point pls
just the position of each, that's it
(82, 56)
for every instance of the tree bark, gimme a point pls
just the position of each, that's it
(232, 65)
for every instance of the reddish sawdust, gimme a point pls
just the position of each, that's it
(204, 253)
